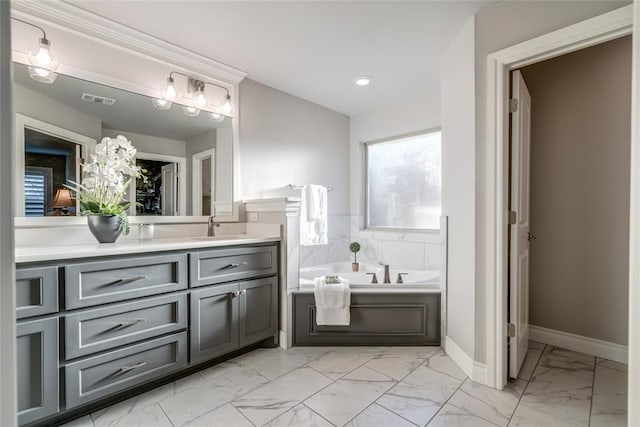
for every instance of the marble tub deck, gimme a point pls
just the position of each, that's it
(381, 386)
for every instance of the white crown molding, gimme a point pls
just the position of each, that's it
(80, 21)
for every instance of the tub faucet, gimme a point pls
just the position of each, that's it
(387, 279)
(212, 224)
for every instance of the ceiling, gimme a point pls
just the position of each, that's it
(130, 113)
(312, 49)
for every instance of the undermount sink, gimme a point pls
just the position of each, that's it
(222, 237)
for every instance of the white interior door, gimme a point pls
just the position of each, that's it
(168, 191)
(520, 234)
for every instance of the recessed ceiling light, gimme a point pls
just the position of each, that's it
(362, 81)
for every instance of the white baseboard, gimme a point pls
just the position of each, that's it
(604, 349)
(475, 370)
(283, 339)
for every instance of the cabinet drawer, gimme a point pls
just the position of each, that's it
(100, 376)
(90, 331)
(36, 291)
(225, 265)
(102, 282)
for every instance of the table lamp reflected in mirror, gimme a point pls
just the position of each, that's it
(62, 201)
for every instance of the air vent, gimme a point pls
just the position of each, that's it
(99, 99)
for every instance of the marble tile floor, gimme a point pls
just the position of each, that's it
(378, 386)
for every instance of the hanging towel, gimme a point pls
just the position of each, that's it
(333, 302)
(313, 216)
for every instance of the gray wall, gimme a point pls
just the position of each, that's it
(150, 144)
(580, 151)
(287, 140)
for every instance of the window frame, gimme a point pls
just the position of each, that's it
(365, 145)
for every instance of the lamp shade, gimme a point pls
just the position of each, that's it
(63, 199)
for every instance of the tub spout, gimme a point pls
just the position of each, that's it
(387, 278)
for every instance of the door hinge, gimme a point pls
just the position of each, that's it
(511, 329)
(512, 217)
(513, 105)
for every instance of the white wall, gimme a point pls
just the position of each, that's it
(149, 143)
(8, 402)
(198, 144)
(458, 186)
(503, 25)
(401, 249)
(287, 140)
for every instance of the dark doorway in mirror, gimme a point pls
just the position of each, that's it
(156, 196)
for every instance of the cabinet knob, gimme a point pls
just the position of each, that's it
(235, 293)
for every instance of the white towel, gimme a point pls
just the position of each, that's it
(333, 302)
(313, 216)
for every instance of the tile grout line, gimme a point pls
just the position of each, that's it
(527, 385)
(165, 414)
(447, 401)
(593, 388)
(317, 413)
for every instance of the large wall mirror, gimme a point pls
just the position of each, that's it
(188, 160)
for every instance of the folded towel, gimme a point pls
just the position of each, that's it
(313, 216)
(333, 302)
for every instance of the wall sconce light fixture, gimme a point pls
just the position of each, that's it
(199, 101)
(43, 63)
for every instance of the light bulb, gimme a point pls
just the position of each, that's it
(41, 56)
(216, 117)
(190, 111)
(161, 103)
(42, 75)
(227, 107)
(199, 99)
(170, 91)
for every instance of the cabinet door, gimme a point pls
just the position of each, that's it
(37, 363)
(214, 321)
(258, 310)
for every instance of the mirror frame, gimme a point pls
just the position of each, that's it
(69, 23)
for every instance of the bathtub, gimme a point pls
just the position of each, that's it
(413, 279)
(381, 314)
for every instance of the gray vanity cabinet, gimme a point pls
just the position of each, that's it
(37, 356)
(226, 265)
(214, 321)
(36, 291)
(258, 315)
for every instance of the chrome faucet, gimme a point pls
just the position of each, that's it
(212, 224)
(387, 279)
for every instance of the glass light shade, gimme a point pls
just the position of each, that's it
(191, 111)
(42, 75)
(199, 99)
(40, 56)
(216, 117)
(227, 107)
(169, 91)
(161, 103)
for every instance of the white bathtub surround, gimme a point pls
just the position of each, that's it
(337, 248)
(313, 216)
(333, 302)
(409, 249)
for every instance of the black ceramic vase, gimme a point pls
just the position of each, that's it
(105, 228)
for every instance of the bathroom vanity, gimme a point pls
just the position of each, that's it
(92, 325)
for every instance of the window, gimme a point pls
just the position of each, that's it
(403, 182)
(37, 190)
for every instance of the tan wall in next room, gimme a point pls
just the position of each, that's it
(580, 147)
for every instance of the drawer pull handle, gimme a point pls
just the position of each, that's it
(131, 323)
(132, 367)
(128, 280)
(236, 264)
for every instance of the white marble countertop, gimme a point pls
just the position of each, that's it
(25, 254)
